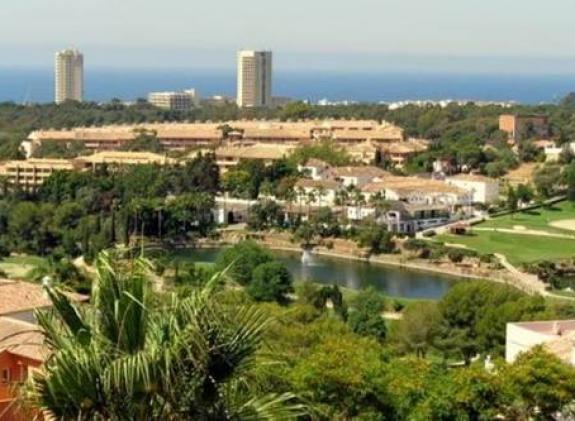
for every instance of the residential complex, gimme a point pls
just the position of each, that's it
(177, 101)
(254, 87)
(416, 203)
(69, 76)
(182, 136)
(33, 172)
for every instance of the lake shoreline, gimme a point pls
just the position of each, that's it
(379, 260)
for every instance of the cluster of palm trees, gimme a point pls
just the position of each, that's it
(351, 195)
(129, 356)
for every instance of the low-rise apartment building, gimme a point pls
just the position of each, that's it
(317, 192)
(417, 191)
(314, 168)
(176, 101)
(119, 159)
(483, 189)
(230, 156)
(30, 174)
(399, 153)
(356, 175)
(172, 136)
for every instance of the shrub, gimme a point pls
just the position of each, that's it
(242, 259)
(271, 281)
(455, 255)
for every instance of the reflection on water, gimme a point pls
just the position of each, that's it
(396, 282)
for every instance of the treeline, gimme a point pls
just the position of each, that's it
(81, 213)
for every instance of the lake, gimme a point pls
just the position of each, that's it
(395, 282)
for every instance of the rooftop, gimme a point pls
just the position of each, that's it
(473, 177)
(358, 171)
(258, 151)
(18, 296)
(125, 157)
(317, 184)
(406, 185)
(21, 338)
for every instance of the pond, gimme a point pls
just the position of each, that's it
(395, 282)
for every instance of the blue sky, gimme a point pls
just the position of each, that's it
(526, 36)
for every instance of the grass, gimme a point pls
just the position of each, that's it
(19, 266)
(516, 247)
(536, 219)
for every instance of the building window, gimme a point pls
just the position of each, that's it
(5, 376)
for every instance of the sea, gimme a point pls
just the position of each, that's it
(29, 85)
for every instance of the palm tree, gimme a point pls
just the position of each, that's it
(121, 358)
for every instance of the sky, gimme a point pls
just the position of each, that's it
(523, 36)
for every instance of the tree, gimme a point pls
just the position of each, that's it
(341, 375)
(144, 140)
(512, 200)
(366, 317)
(121, 358)
(270, 282)
(547, 180)
(242, 259)
(570, 180)
(524, 193)
(265, 214)
(463, 310)
(375, 237)
(418, 327)
(542, 385)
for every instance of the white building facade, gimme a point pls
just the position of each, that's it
(482, 189)
(254, 79)
(69, 76)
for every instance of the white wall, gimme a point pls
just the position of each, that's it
(519, 339)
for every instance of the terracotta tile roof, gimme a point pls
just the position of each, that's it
(473, 177)
(125, 157)
(316, 184)
(22, 338)
(406, 185)
(17, 296)
(358, 171)
(258, 151)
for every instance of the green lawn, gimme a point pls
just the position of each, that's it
(537, 219)
(19, 266)
(516, 247)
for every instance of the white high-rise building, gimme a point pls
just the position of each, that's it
(254, 78)
(69, 76)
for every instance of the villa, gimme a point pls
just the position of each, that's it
(483, 189)
(21, 343)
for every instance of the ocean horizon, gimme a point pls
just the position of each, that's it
(36, 85)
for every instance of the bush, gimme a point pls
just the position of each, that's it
(271, 281)
(366, 319)
(455, 255)
(242, 259)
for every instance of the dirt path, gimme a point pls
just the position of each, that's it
(566, 224)
(525, 281)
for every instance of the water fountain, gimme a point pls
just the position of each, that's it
(306, 256)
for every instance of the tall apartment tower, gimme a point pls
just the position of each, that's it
(254, 78)
(69, 76)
